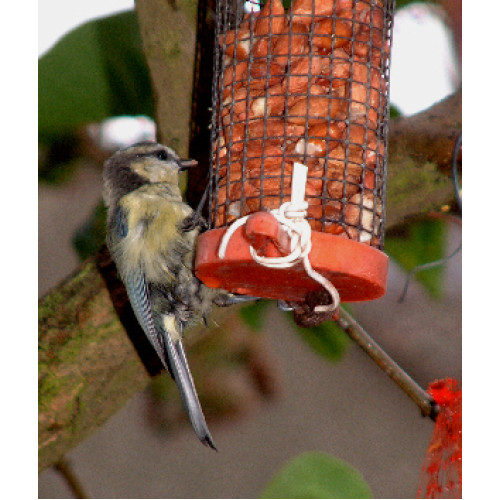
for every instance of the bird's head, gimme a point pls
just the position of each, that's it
(140, 164)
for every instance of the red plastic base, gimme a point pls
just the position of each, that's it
(357, 270)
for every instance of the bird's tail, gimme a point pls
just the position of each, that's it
(179, 370)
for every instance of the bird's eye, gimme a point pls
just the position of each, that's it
(161, 155)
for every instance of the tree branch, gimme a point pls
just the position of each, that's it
(87, 367)
(420, 150)
(168, 30)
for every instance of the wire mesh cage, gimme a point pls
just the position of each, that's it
(305, 84)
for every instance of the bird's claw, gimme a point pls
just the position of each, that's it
(193, 221)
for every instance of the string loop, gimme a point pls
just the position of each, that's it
(292, 217)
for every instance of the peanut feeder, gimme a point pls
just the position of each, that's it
(308, 85)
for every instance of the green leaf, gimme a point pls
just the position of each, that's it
(96, 71)
(92, 234)
(394, 111)
(317, 475)
(253, 314)
(57, 161)
(327, 339)
(420, 242)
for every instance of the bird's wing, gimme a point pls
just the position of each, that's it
(139, 296)
(171, 352)
(138, 291)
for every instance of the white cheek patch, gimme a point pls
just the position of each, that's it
(156, 174)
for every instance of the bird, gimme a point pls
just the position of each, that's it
(151, 236)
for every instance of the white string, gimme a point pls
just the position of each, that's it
(292, 216)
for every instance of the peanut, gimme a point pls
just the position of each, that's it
(263, 74)
(236, 45)
(371, 18)
(327, 217)
(305, 11)
(361, 49)
(316, 109)
(293, 41)
(262, 46)
(271, 19)
(314, 89)
(299, 73)
(274, 127)
(331, 34)
(344, 5)
(336, 164)
(369, 180)
(264, 151)
(248, 20)
(339, 189)
(238, 104)
(334, 130)
(359, 135)
(234, 135)
(233, 76)
(311, 147)
(267, 105)
(362, 214)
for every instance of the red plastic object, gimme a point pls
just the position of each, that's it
(442, 470)
(357, 270)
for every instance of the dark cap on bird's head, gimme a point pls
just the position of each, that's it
(142, 163)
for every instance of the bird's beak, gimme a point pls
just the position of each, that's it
(185, 164)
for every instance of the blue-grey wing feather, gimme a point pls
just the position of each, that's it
(138, 290)
(120, 225)
(182, 375)
(139, 295)
(171, 354)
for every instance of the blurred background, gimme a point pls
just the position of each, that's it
(347, 408)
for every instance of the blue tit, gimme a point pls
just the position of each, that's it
(152, 242)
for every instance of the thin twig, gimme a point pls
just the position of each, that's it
(388, 365)
(424, 267)
(65, 469)
(454, 172)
